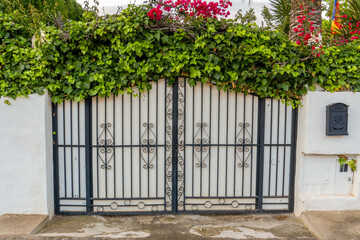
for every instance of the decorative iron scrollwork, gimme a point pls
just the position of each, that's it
(180, 193)
(235, 204)
(114, 205)
(208, 204)
(201, 137)
(105, 152)
(181, 142)
(169, 195)
(148, 140)
(141, 205)
(244, 137)
(168, 146)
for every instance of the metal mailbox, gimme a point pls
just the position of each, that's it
(337, 119)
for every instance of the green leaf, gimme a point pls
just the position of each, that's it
(342, 161)
(217, 75)
(312, 88)
(235, 66)
(157, 35)
(194, 72)
(68, 89)
(285, 86)
(352, 164)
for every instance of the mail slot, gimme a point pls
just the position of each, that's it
(337, 119)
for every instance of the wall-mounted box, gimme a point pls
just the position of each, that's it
(322, 176)
(337, 119)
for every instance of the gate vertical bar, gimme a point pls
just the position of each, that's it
(260, 155)
(175, 147)
(88, 155)
(294, 120)
(55, 158)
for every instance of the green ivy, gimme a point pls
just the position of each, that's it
(102, 56)
(21, 67)
(338, 68)
(345, 160)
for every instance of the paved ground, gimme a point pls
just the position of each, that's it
(20, 225)
(339, 225)
(283, 226)
(343, 225)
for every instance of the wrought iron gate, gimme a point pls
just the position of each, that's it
(174, 149)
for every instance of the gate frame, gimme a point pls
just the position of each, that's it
(88, 155)
(260, 155)
(175, 108)
(174, 199)
(55, 159)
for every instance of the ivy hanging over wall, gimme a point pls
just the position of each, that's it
(21, 67)
(121, 53)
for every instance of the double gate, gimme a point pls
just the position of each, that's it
(174, 149)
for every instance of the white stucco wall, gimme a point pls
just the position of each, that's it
(26, 180)
(26, 156)
(319, 184)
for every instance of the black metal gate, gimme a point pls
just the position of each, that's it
(174, 149)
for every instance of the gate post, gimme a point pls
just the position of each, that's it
(260, 155)
(293, 158)
(55, 159)
(175, 147)
(88, 154)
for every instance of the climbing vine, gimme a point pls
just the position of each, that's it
(343, 160)
(117, 54)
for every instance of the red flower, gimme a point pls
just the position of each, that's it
(155, 13)
(194, 8)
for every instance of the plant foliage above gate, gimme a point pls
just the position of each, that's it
(116, 54)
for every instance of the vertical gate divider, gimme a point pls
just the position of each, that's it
(260, 155)
(88, 156)
(55, 158)
(294, 121)
(175, 147)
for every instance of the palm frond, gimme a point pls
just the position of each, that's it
(280, 9)
(353, 10)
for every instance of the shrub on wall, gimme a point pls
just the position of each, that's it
(101, 56)
(21, 66)
(338, 69)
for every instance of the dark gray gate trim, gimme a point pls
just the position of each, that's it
(174, 204)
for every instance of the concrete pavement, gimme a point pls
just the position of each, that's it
(338, 225)
(20, 226)
(231, 226)
(334, 225)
